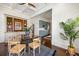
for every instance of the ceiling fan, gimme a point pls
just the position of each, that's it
(30, 5)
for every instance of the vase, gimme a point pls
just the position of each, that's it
(71, 51)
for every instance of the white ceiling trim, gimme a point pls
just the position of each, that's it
(42, 10)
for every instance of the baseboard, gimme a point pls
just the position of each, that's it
(61, 47)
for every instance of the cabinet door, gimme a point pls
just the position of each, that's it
(9, 24)
(47, 42)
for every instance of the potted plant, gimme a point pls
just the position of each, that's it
(27, 30)
(70, 33)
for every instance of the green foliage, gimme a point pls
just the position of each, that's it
(27, 29)
(69, 30)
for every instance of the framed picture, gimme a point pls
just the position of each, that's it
(18, 24)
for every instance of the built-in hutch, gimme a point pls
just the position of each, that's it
(15, 24)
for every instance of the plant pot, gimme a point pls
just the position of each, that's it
(71, 50)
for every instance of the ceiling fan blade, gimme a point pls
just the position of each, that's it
(30, 4)
(22, 3)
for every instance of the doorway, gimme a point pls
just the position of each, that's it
(45, 27)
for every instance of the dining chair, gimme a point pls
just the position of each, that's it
(34, 45)
(15, 48)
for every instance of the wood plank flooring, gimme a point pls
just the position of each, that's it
(4, 50)
(59, 51)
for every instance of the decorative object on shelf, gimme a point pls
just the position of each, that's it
(70, 33)
(9, 24)
(25, 23)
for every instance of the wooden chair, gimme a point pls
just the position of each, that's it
(37, 40)
(35, 44)
(14, 47)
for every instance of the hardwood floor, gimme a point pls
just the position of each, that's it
(4, 50)
(59, 51)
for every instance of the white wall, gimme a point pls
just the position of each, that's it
(9, 11)
(2, 28)
(62, 12)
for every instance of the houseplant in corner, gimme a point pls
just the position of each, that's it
(70, 33)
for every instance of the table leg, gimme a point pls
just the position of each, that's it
(29, 50)
(18, 54)
(9, 54)
(24, 50)
(39, 49)
(33, 52)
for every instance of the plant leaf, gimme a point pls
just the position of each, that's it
(63, 36)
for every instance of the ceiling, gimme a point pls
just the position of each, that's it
(47, 14)
(24, 8)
